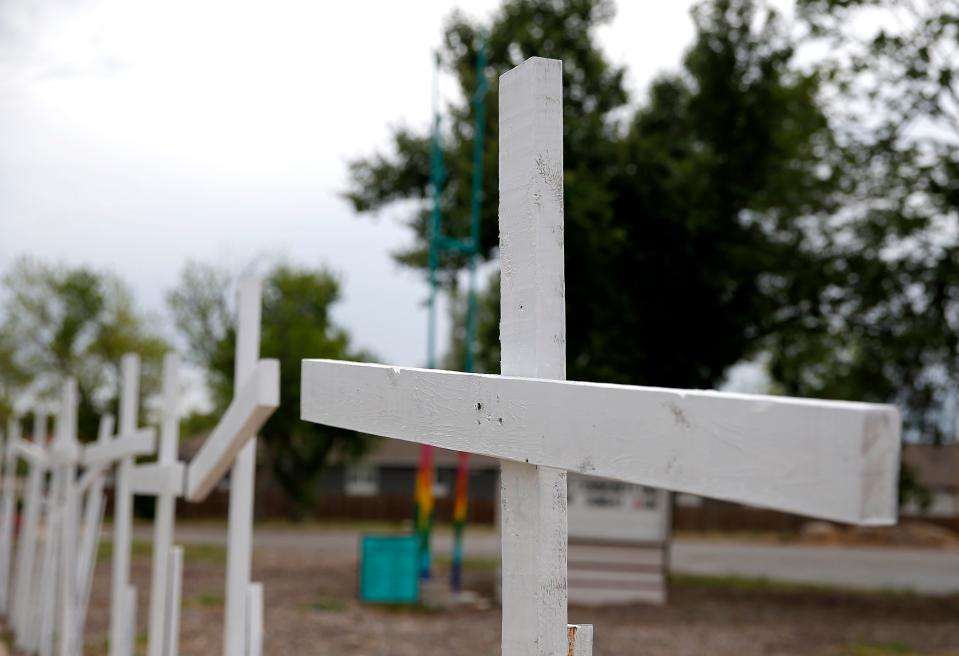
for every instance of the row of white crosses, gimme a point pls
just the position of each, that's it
(826, 459)
(48, 601)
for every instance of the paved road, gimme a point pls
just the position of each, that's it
(919, 570)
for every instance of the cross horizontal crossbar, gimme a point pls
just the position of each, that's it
(249, 410)
(139, 443)
(829, 459)
(31, 452)
(158, 478)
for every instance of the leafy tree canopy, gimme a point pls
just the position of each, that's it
(63, 321)
(687, 219)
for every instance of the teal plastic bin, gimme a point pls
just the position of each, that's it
(389, 569)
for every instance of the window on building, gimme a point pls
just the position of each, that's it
(361, 481)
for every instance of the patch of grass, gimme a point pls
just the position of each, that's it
(487, 564)
(763, 584)
(204, 600)
(144, 549)
(138, 548)
(326, 605)
(881, 649)
(207, 552)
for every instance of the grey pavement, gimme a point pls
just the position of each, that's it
(924, 571)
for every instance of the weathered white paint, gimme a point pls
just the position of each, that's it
(25, 580)
(173, 601)
(831, 459)
(8, 509)
(123, 508)
(533, 343)
(255, 401)
(164, 479)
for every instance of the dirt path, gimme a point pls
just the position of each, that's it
(311, 609)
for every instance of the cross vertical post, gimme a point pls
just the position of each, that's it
(240, 530)
(8, 509)
(533, 338)
(66, 452)
(165, 509)
(123, 505)
(24, 580)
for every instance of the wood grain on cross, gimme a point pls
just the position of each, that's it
(826, 459)
(231, 446)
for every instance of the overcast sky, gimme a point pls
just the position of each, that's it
(136, 135)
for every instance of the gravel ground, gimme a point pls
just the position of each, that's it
(311, 609)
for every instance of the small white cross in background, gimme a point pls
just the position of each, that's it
(164, 481)
(826, 459)
(120, 453)
(233, 444)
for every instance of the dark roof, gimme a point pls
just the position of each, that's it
(935, 466)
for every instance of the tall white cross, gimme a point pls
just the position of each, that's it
(164, 481)
(22, 612)
(8, 504)
(232, 443)
(826, 459)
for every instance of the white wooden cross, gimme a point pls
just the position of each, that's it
(256, 396)
(56, 580)
(826, 459)
(119, 453)
(23, 615)
(164, 481)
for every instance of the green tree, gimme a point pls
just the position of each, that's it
(892, 328)
(74, 321)
(297, 325)
(687, 220)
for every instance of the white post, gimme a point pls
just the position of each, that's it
(24, 580)
(240, 532)
(130, 621)
(255, 613)
(123, 508)
(8, 510)
(533, 338)
(67, 452)
(174, 595)
(165, 510)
